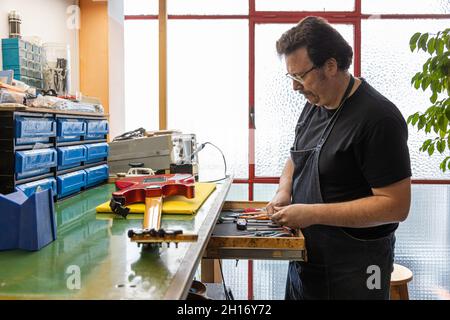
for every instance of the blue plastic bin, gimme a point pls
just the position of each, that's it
(30, 130)
(27, 223)
(96, 129)
(35, 162)
(96, 152)
(69, 157)
(70, 183)
(30, 188)
(70, 129)
(96, 175)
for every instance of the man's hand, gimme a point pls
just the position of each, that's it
(293, 216)
(280, 199)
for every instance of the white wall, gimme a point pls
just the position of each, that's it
(116, 68)
(49, 20)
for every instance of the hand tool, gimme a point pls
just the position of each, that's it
(247, 210)
(151, 189)
(242, 224)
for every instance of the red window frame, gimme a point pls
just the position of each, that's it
(260, 17)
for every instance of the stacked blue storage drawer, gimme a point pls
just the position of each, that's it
(96, 129)
(34, 162)
(30, 130)
(25, 59)
(96, 175)
(30, 188)
(69, 157)
(70, 183)
(70, 129)
(96, 152)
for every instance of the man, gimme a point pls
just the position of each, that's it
(347, 182)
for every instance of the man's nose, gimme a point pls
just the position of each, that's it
(297, 85)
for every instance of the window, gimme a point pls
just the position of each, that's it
(222, 64)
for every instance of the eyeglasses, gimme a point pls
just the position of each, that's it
(300, 78)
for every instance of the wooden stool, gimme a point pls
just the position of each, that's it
(399, 282)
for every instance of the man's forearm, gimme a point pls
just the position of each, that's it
(285, 185)
(366, 212)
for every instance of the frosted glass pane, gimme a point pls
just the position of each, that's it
(203, 7)
(405, 6)
(139, 7)
(236, 277)
(269, 280)
(238, 192)
(141, 74)
(305, 5)
(208, 89)
(423, 242)
(388, 65)
(264, 191)
(277, 106)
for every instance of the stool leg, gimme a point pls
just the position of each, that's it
(394, 293)
(403, 290)
(399, 292)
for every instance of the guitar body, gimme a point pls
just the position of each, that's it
(151, 190)
(137, 189)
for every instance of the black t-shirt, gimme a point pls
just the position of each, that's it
(367, 148)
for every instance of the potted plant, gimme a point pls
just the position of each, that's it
(435, 75)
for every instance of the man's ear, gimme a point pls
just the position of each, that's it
(331, 67)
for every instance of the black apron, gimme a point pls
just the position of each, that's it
(339, 266)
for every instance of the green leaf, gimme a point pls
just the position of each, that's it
(431, 150)
(413, 40)
(435, 127)
(433, 97)
(430, 45)
(421, 122)
(447, 112)
(423, 41)
(439, 47)
(444, 164)
(442, 122)
(425, 145)
(440, 146)
(415, 119)
(417, 83)
(425, 83)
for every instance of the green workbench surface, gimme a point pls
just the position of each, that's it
(109, 265)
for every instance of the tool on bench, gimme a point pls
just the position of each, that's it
(151, 190)
(242, 224)
(255, 216)
(247, 210)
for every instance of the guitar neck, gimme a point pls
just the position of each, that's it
(153, 212)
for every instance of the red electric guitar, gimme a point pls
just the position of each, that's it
(151, 190)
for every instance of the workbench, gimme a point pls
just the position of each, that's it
(109, 265)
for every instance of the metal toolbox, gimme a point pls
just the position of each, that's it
(154, 152)
(226, 243)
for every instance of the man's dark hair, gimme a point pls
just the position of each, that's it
(321, 41)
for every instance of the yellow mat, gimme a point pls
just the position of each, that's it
(173, 204)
